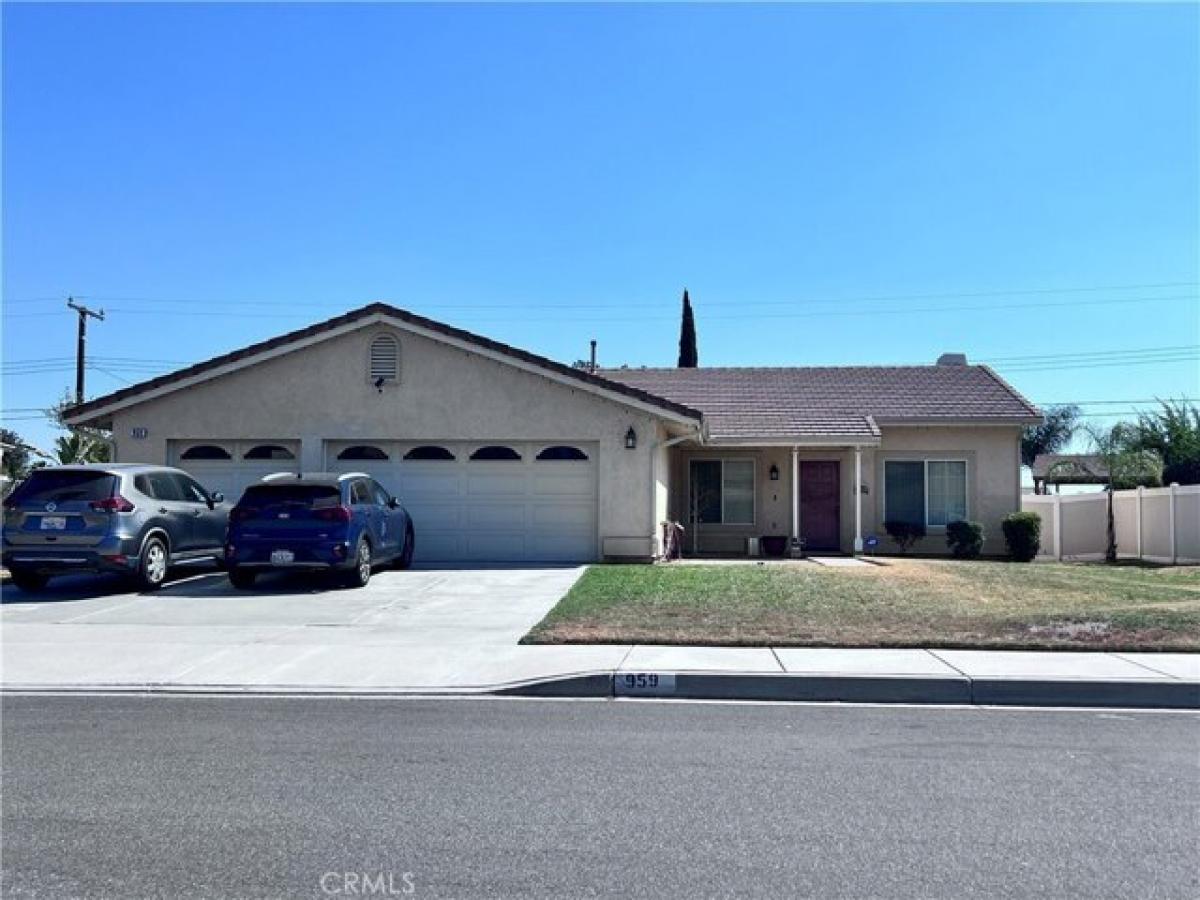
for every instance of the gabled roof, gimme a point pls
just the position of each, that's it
(833, 402)
(96, 412)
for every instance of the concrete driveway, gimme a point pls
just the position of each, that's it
(419, 606)
(423, 628)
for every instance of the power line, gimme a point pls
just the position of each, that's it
(742, 317)
(871, 298)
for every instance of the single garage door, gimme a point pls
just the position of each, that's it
(486, 501)
(231, 466)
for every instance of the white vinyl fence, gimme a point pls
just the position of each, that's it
(1155, 524)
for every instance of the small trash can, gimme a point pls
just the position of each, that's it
(752, 546)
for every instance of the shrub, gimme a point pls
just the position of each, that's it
(1023, 534)
(965, 539)
(905, 534)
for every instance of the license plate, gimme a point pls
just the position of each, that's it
(54, 523)
(282, 557)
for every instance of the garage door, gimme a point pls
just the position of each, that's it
(497, 501)
(231, 466)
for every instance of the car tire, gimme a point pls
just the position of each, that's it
(152, 567)
(28, 581)
(404, 560)
(242, 579)
(360, 575)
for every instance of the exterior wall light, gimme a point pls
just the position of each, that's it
(774, 472)
(631, 439)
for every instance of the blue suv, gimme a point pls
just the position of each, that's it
(322, 522)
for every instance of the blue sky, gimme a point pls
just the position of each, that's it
(834, 184)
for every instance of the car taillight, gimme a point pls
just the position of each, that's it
(114, 504)
(334, 514)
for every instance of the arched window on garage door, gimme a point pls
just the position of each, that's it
(206, 451)
(362, 452)
(562, 452)
(496, 453)
(269, 451)
(430, 452)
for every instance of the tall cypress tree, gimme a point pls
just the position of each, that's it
(688, 357)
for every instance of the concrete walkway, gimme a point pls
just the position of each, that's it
(456, 632)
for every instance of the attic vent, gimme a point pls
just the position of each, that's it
(952, 359)
(385, 359)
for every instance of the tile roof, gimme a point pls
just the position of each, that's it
(832, 402)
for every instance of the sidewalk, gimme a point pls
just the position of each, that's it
(283, 660)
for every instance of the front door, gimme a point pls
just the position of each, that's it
(820, 505)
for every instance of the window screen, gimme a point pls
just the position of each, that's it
(706, 490)
(904, 484)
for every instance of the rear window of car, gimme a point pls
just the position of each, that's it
(315, 496)
(63, 487)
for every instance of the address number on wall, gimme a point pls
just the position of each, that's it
(140, 433)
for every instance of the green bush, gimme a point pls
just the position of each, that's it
(905, 534)
(1023, 534)
(965, 539)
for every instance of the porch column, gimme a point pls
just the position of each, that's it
(795, 499)
(858, 540)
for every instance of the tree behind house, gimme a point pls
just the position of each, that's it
(1052, 435)
(688, 356)
(1172, 432)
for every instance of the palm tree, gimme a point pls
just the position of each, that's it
(80, 447)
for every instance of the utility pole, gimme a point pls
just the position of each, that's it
(81, 343)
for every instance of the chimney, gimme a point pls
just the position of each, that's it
(592, 362)
(952, 359)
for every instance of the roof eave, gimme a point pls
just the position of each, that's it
(98, 412)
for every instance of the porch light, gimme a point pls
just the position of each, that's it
(631, 439)
(774, 472)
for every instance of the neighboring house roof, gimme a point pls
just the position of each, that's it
(1070, 468)
(746, 404)
(96, 412)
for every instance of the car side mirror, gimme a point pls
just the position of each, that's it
(393, 502)
(215, 498)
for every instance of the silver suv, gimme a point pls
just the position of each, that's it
(134, 520)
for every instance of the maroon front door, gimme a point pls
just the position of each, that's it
(820, 505)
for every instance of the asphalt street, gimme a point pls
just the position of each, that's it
(306, 797)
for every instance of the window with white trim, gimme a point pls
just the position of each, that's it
(931, 492)
(385, 359)
(723, 491)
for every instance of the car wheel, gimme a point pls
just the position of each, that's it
(406, 555)
(243, 579)
(361, 573)
(28, 581)
(152, 568)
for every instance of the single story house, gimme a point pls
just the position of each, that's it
(503, 455)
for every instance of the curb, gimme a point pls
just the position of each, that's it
(959, 690)
(753, 686)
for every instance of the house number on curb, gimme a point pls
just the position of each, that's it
(645, 684)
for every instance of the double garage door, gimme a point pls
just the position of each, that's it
(480, 501)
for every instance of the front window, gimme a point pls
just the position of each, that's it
(723, 491)
(925, 492)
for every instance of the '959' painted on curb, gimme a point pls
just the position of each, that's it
(645, 683)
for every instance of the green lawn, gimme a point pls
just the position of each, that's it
(910, 603)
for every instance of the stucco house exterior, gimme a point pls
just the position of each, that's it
(503, 455)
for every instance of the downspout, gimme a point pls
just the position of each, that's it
(698, 437)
